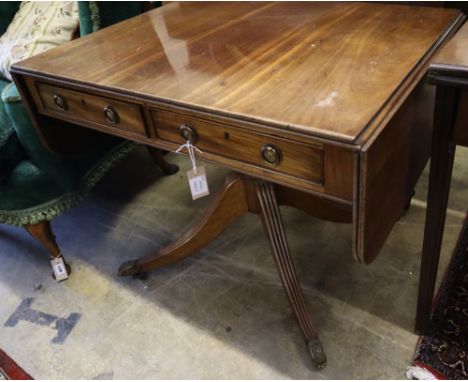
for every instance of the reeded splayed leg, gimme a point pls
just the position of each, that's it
(271, 218)
(42, 232)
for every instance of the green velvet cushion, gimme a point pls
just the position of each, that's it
(27, 186)
(8, 10)
(10, 154)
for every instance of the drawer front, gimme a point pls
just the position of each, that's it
(304, 161)
(82, 107)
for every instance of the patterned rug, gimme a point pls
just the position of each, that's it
(10, 370)
(444, 351)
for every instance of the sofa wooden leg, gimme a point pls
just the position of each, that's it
(42, 232)
(157, 155)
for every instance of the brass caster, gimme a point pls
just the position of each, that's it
(170, 169)
(129, 268)
(317, 353)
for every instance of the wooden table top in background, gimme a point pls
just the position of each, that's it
(450, 67)
(453, 58)
(331, 70)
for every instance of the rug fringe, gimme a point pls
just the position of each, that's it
(418, 372)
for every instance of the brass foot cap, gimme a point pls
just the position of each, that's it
(317, 353)
(129, 268)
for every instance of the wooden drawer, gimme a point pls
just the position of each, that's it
(95, 110)
(304, 161)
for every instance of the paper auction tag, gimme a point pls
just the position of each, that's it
(197, 182)
(60, 271)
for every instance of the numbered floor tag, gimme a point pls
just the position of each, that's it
(60, 271)
(197, 182)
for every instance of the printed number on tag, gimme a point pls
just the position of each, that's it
(198, 183)
(60, 271)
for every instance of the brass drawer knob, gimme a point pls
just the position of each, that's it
(188, 133)
(111, 115)
(60, 102)
(271, 154)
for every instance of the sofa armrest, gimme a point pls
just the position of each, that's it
(10, 94)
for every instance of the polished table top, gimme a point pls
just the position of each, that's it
(330, 69)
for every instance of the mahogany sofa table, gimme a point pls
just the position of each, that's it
(449, 72)
(318, 106)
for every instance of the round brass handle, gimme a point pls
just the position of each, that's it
(111, 115)
(60, 102)
(188, 133)
(271, 154)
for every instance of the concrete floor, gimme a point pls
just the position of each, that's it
(220, 314)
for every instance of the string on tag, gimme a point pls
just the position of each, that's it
(188, 145)
(196, 176)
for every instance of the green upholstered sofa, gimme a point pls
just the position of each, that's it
(36, 185)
